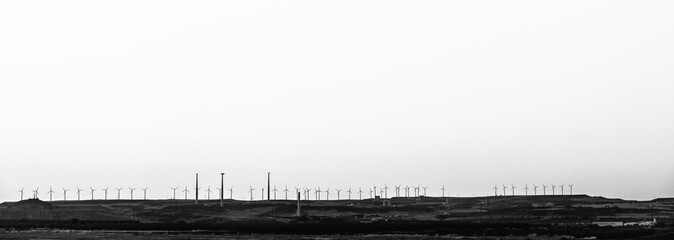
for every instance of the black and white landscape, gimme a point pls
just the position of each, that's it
(391, 119)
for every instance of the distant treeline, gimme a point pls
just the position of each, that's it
(347, 228)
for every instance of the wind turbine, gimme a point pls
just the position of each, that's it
(36, 193)
(64, 193)
(544, 187)
(371, 192)
(50, 193)
(553, 189)
(425, 190)
(251, 192)
(318, 193)
(526, 190)
(92, 192)
(327, 194)
(443, 190)
(106, 192)
(298, 190)
(145, 193)
(286, 192)
(571, 188)
(512, 187)
(535, 189)
(407, 191)
(118, 192)
(231, 189)
(274, 192)
(338, 191)
(208, 193)
(495, 189)
(504, 189)
(307, 193)
(78, 193)
(385, 191)
(21, 191)
(132, 189)
(174, 192)
(397, 191)
(360, 194)
(186, 190)
(262, 191)
(416, 189)
(562, 186)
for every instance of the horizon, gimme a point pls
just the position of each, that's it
(461, 94)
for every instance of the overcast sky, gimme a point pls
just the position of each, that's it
(337, 94)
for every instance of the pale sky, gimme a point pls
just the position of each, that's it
(337, 94)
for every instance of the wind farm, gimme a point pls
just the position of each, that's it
(579, 213)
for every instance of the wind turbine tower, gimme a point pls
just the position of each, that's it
(495, 189)
(106, 192)
(544, 187)
(132, 189)
(385, 191)
(571, 189)
(145, 193)
(92, 192)
(562, 187)
(553, 189)
(338, 191)
(78, 193)
(174, 192)
(64, 192)
(526, 190)
(504, 189)
(360, 193)
(50, 193)
(512, 187)
(21, 191)
(535, 189)
(274, 192)
(397, 191)
(251, 192)
(186, 191)
(349, 192)
(208, 193)
(118, 193)
(286, 192)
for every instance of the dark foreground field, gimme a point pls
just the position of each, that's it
(481, 217)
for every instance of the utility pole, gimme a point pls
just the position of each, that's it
(196, 191)
(268, 186)
(222, 188)
(299, 212)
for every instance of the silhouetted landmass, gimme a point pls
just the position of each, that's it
(572, 216)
